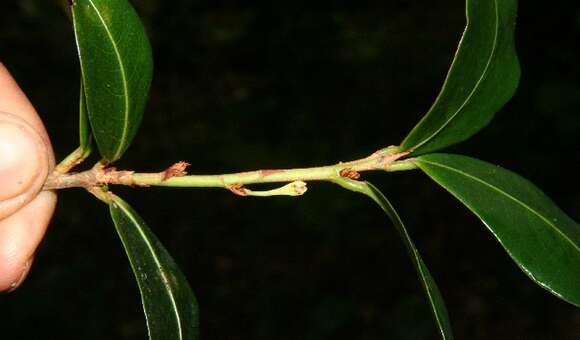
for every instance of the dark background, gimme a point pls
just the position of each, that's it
(289, 84)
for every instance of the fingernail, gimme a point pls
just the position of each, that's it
(22, 276)
(18, 159)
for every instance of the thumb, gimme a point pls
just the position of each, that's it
(24, 163)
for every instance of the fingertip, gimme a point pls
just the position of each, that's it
(21, 277)
(25, 211)
(19, 161)
(25, 161)
(13, 100)
(20, 235)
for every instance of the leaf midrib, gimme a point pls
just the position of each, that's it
(157, 262)
(475, 87)
(493, 187)
(123, 79)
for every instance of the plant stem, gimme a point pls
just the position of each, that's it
(387, 159)
(72, 160)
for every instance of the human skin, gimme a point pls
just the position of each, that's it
(26, 159)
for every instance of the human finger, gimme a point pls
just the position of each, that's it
(26, 158)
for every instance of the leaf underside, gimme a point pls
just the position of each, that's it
(432, 293)
(116, 68)
(170, 306)
(542, 240)
(482, 78)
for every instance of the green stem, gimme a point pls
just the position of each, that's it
(388, 159)
(72, 160)
(381, 160)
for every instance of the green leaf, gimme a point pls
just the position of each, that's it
(542, 240)
(483, 77)
(116, 68)
(84, 128)
(432, 293)
(170, 305)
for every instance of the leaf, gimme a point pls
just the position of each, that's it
(483, 77)
(170, 305)
(542, 240)
(84, 128)
(432, 293)
(116, 68)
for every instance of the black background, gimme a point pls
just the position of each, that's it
(241, 86)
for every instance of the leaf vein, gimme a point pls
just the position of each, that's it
(495, 188)
(158, 263)
(123, 79)
(475, 87)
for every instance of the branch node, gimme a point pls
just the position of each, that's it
(349, 173)
(176, 170)
(238, 189)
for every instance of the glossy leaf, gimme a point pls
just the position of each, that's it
(170, 305)
(432, 293)
(483, 77)
(84, 128)
(540, 238)
(116, 68)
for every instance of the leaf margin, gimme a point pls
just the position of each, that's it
(432, 292)
(421, 144)
(116, 204)
(575, 299)
(133, 109)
